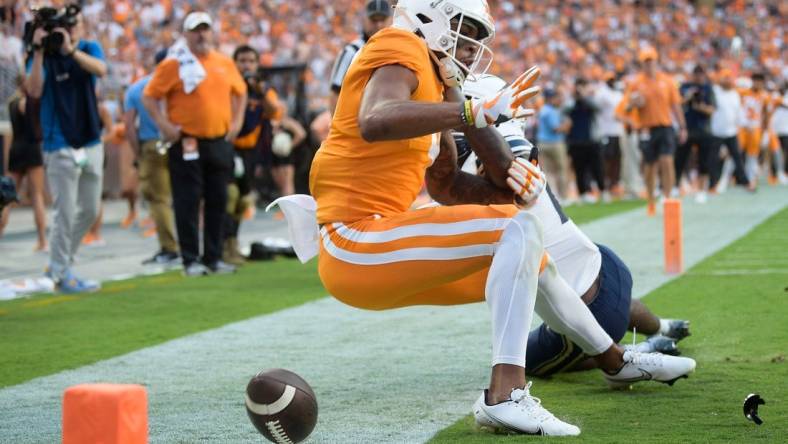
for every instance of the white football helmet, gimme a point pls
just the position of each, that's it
(486, 85)
(431, 20)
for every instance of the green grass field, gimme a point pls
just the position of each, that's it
(737, 301)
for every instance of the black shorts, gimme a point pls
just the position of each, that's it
(549, 352)
(22, 157)
(250, 159)
(282, 161)
(661, 142)
(611, 147)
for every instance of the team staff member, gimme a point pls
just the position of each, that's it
(201, 123)
(378, 16)
(697, 97)
(262, 106)
(154, 176)
(656, 97)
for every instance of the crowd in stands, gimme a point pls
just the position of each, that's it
(588, 51)
(566, 39)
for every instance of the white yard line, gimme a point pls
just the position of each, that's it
(398, 376)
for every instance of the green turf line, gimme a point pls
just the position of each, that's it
(739, 340)
(49, 333)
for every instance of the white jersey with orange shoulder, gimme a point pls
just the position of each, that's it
(577, 257)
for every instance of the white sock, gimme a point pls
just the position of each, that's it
(511, 287)
(563, 311)
(664, 326)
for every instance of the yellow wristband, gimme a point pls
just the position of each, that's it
(469, 113)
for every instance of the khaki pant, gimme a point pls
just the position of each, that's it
(154, 177)
(553, 159)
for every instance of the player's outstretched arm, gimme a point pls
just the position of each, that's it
(388, 113)
(450, 186)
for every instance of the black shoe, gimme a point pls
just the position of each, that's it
(163, 258)
(221, 267)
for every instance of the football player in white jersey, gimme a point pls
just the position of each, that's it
(595, 274)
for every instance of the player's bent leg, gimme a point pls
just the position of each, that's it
(550, 352)
(519, 255)
(381, 263)
(563, 310)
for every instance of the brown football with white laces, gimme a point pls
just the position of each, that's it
(281, 405)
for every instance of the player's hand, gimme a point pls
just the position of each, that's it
(506, 104)
(526, 180)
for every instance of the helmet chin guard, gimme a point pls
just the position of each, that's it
(432, 20)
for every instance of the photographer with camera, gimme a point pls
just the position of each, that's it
(205, 99)
(697, 98)
(262, 105)
(61, 71)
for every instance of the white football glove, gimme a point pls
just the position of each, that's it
(526, 180)
(506, 104)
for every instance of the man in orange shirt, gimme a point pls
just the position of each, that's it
(391, 129)
(655, 96)
(205, 98)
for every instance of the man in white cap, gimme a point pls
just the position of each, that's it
(205, 99)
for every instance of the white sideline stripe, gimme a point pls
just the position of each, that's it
(367, 368)
(431, 229)
(275, 407)
(406, 254)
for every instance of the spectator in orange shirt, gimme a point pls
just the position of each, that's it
(656, 97)
(205, 98)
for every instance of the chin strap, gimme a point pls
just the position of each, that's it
(451, 74)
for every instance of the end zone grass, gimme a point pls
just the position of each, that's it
(737, 301)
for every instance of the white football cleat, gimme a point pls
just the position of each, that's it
(522, 413)
(650, 367)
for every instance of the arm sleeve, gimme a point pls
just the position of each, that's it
(93, 49)
(341, 65)
(163, 80)
(675, 96)
(397, 49)
(237, 84)
(127, 97)
(272, 96)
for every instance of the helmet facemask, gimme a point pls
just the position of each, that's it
(440, 24)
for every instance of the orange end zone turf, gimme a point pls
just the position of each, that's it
(674, 256)
(105, 413)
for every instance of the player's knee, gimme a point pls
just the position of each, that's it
(532, 230)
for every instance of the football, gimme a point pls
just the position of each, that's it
(281, 405)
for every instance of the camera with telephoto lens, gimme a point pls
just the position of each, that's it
(7, 192)
(256, 80)
(48, 18)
